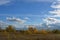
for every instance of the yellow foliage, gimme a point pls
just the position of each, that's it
(32, 30)
(35, 31)
(43, 31)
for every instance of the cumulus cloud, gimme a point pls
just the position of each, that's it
(16, 20)
(3, 24)
(51, 21)
(56, 12)
(56, 6)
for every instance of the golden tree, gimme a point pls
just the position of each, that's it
(10, 28)
(32, 30)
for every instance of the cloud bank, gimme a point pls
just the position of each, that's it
(51, 21)
(56, 6)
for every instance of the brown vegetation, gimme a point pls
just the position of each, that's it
(10, 33)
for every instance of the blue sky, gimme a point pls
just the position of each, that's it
(27, 11)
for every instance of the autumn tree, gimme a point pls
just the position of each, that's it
(32, 30)
(43, 32)
(10, 28)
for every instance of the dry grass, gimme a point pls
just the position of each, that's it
(12, 36)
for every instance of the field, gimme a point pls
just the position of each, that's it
(30, 34)
(12, 36)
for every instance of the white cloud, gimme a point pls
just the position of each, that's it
(56, 12)
(51, 21)
(16, 20)
(3, 24)
(56, 6)
(2, 2)
(56, 16)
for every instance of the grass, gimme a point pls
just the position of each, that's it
(17, 36)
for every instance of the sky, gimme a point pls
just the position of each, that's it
(29, 12)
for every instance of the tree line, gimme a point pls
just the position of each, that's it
(30, 30)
